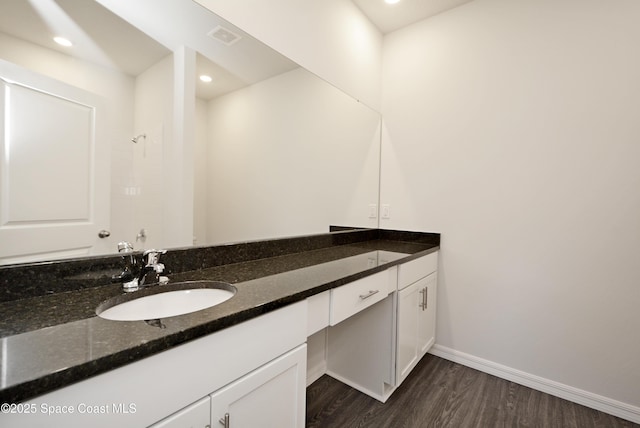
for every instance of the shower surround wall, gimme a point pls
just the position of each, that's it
(153, 118)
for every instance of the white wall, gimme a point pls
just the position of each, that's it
(512, 128)
(289, 156)
(332, 38)
(179, 153)
(200, 181)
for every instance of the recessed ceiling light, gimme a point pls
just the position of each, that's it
(391, 1)
(205, 78)
(62, 41)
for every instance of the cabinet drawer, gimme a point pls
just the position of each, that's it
(410, 272)
(358, 295)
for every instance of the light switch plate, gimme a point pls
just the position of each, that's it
(386, 211)
(373, 210)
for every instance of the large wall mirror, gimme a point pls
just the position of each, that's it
(116, 138)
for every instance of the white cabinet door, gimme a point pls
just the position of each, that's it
(272, 396)
(427, 314)
(407, 324)
(416, 323)
(197, 415)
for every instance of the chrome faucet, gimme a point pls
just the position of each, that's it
(137, 274)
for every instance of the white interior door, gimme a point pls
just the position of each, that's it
(54, 168)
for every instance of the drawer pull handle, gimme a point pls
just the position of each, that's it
(225, 421)
(426, 298)
(371, 293)
(423, 304)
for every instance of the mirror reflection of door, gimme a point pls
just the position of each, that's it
(54, 177)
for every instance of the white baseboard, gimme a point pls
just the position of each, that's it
(315, 373)
(585, 398)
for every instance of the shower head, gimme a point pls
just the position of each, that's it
(135, 139)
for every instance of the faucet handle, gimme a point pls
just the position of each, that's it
(152, 257)
(130, 268)
(125, 247)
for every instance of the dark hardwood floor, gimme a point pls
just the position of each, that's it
(440, 393)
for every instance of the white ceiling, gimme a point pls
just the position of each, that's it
(98, 35)
(186, 23)
(104, 38)
(139, 37)
(391, 17)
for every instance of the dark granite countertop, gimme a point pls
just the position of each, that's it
(55, 339)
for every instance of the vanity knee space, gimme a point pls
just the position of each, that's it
(373, 346)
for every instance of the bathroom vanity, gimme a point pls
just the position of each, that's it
(357, 305)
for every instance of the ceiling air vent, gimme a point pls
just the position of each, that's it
(224, 35)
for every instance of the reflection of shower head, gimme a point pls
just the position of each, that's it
(135, 139)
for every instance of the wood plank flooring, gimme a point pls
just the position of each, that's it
(440, 393)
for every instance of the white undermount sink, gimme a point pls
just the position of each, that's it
(166, 301)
